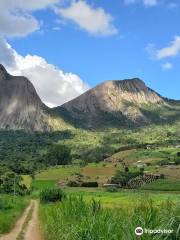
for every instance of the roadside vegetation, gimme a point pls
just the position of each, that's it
(163, 185)
(76, 219)
(11, 207)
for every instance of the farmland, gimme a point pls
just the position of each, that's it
(98, 158)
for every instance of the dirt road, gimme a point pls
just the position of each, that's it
(27, 227)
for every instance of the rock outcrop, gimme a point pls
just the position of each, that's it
(20, 105)
(113, 103)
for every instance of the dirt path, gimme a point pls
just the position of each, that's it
(28, 228)
(33, 228)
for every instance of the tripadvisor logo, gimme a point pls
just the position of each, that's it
(140, 231)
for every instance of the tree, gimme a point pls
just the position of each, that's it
(12, 183)
(122, 178)
(58, 155)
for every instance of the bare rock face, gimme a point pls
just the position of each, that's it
(114, 103)
(20, 106)
(110, 104)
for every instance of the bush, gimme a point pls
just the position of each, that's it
(122, 178)
(111, 189)
(51, 195)
(4, 204)
(73, 184)
(164, 162)
(162, 176)
(89, 184)
(177, 161)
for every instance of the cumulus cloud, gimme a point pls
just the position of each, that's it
(147, 3)
(16, 18)
(167, 66)
(54, 86)
(93, 20)
(170, 51)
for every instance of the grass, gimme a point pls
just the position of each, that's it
(77, 219)
(10, 209)
(163, 185)
(57, 173)
(93, 171)
(123, 198)
(40, 185)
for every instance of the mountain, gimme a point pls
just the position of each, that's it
(119, 103)
(126, 103)
(22, 108)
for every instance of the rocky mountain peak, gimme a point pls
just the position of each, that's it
(20, 105)
(113, 102)
(3, 73)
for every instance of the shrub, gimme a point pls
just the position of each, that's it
(178, 154)
(73, 184)
(111, 189)
(51, 195)
(177, 161)
(164, 162)
(4, 204)
(162, 176)
(89, 184)
(122, 178)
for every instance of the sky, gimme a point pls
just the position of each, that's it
(66, 47)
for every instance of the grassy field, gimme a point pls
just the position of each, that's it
(123, 198)
(159, 190)
(94, 171)
(163, 185)
(77, 219)
(10, 209)
(57, 173)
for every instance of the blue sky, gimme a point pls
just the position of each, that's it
(142, 39)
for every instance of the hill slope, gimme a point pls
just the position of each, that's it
(119, 103)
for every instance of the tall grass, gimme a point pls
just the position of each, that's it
(51, 195)
(10, 209)
(75, 219)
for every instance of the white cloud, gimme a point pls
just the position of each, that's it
(147, 3)
(167, 66)
(93, 20)
(16, 18)
(170, 51)
(6, 53)
(52, 84)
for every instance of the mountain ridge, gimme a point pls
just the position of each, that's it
(113, 103)
(120, 102)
